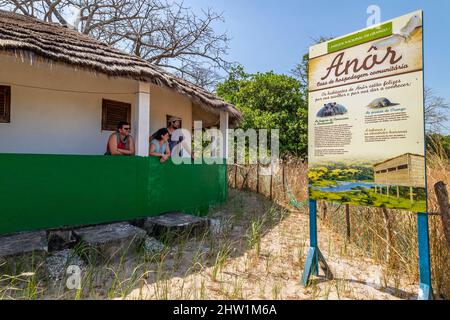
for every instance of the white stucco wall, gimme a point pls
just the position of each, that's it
(60, 122)
(165, 102)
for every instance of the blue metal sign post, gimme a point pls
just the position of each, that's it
(425, 290)
(314, 257)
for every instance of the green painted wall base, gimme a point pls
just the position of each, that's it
(56, 191)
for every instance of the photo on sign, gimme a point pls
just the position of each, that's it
(366, 118)
(331, 109)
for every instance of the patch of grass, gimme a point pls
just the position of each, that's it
(254, 235)
(222, 256)
(276, 291)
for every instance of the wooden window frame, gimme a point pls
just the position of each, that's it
(105, 104)
(7, 117)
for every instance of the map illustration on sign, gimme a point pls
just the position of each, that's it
(366, 117)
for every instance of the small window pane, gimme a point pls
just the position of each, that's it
(114, 112)
(5, 104)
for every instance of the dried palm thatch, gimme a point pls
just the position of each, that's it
(29, 36)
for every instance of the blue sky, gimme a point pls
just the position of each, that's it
(273, 35)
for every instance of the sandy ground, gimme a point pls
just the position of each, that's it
(259, 254)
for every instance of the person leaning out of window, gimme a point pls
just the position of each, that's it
(121, 142)
(159, 146)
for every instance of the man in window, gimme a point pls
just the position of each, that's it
(176, 138)
(121, 142)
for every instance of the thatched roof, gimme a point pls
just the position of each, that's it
(26, 35)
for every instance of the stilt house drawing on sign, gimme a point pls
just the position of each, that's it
(407, 170)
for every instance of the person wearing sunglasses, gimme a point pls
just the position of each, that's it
(121, 142)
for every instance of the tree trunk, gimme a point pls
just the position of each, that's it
(444, 206)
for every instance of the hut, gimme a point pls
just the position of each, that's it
(407, 170)
(61, 95)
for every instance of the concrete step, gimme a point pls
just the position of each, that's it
(23, 243)
(174, 226)
(109, 242)
(22, 252)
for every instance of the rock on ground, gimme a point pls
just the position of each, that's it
(153, 246)
(57, 263)
(173, 226)
(60, 239)
(110, 241)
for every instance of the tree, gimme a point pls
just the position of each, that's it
(162, 32)
(439, 145)
(436, 112)
(301, 70)
(269, 101)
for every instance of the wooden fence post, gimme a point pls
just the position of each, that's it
(283, 177)
(245, 183)
(235, 175)
(271, 182)
(388, 230)
(257, 178)
(444, 206)
(347, 220)
(325, 207)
